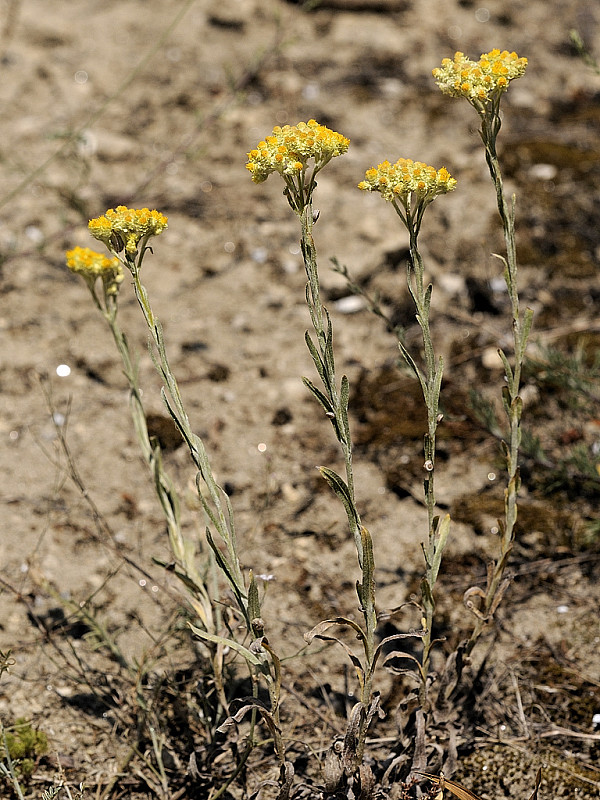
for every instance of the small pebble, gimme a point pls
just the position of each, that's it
(350, 304)
(543, 172)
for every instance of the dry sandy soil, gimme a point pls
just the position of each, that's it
(155, 104)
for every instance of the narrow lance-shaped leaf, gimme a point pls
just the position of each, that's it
(413, 365)
(428, 293)
(426, 593)
(340, 487)
(329, 358)
(442, 532)
(517, 407)
(224, 566)
(231, 526)
(500, 592)
(396, 637)
(253, 599)
(344, 396)
(425, 556)
(318, 632)
(506, 272)
(231, 643)
(251, 703)
(318, 394)
(173, 414)
(411, 291)
(416, 671)
(367, 597)
(507, 371)
(311, 308)
(208, 509)
(321, 627)
(506, 400)
(427, 343)
(316, 357)
(525, 331)
(437, 384)
(277, 670)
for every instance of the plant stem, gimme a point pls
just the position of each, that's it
(336, 407)
(165, 490)
(521, 326)
(220, 517)
(326, 367)
(430, 382)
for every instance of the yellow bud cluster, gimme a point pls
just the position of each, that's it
(289, 148)
(125, 227)
(91, 266)
(405, 177)
(482, 80)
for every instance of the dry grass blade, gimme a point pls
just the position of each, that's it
(538, 780)
(444, 783)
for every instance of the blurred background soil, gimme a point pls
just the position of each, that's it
(107, 102)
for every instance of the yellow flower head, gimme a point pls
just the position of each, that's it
(125, 227)
(288, 149)
(479, 81)
(405, 178)
(91, 266)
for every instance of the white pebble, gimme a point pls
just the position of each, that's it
(350, 304)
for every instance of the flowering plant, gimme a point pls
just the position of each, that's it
(126, 227)
(482, 82)
(289, 150)
(91, 266)
(409, 186)
(298, 153)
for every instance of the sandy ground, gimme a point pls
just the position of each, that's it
(156, 104)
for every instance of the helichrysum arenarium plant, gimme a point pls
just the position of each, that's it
(483, 83)
(410, 186)
(298, 153)
(126, 233)
(103, 277)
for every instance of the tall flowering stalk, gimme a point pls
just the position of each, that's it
(126, 233)
(298, 153)
(483, 84)
(410, 186)
(98, 270)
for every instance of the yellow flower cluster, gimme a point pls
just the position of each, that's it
(87, 262)
(125, 227)
(397, 181)
(289, 148)
(479, 80)
(91, 266)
